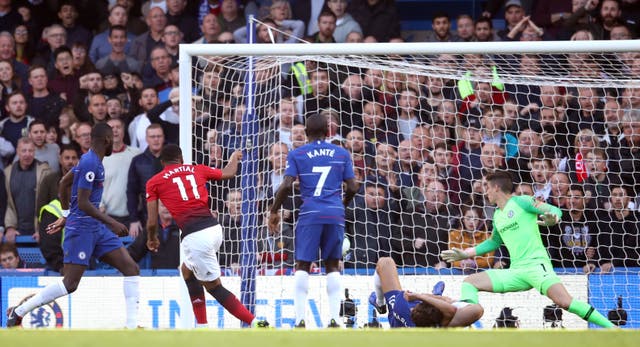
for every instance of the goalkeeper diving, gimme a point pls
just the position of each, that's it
(515, 223)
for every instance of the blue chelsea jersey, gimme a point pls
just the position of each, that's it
(321, 168)
(89, 175)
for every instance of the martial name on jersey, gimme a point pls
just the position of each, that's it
(179, 169)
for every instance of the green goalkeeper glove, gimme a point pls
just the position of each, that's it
(454, 254)
(548, 219)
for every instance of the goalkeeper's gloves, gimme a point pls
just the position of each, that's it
(548, 219)
(454, 254)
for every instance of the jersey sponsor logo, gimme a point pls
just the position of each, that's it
(90, 176)
(510, 226)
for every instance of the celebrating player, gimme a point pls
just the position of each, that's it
(515, 223)
(86, 233)
(407, 309)
(321, 168)
(182, 189)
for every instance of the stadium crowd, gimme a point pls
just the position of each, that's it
(420, 144)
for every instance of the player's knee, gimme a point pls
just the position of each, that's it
(478, 312)
(71, 285)
(385, 263)
(563, 302)
(131, 269)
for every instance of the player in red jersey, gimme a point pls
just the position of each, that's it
(182, 189)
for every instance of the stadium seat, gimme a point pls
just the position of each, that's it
(32, 256)
(25, 241)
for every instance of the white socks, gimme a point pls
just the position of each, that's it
(334, 291)
(378, 288)
(46, 295)
(301, 292)
(131, 298)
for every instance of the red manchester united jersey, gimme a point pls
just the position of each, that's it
(182, 189)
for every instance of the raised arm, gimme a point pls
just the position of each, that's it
(231, 169)
(549, 214)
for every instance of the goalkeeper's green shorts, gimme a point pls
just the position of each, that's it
(540, 277)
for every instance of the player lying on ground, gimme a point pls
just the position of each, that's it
(408, 310)
(183, 191)
(515, 223)
(87, 233)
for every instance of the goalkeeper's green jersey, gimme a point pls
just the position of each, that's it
(516, 226)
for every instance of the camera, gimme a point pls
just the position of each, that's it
(348, 310)
(552, 315)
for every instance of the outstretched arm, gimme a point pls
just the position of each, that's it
(549, 214)
(448, 311)
(231, 169)
(486, 246)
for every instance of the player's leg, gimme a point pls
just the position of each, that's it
(109, 250)
(473, 284)
(307, 243)
(196, 295)
(200, 250)
(331, 250)
(385, 279)
(559, 295)
(78, 248)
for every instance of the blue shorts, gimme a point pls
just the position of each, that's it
(82, 241)
(327, 238)
(399, 309)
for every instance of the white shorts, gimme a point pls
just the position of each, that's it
(201, 253)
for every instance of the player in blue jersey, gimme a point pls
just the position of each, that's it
(87, 233)
(320, 169)
(408, 310)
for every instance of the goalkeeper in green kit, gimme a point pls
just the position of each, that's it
(515, 223)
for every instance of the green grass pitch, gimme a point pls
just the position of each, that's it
(320, 338)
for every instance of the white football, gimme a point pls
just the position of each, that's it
(346, 245)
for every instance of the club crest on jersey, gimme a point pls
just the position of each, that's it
(90, 176)
(82, 255)
(510, 214)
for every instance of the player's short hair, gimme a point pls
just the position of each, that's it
(170, 153)
(316, 125)
(426, 315)
(100, 131)
(501, 179)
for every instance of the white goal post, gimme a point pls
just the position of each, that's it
(604, 72)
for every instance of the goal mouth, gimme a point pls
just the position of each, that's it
(425, 123)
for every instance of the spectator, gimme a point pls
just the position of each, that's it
(15, 125)
(46, 105)
(529, 146)
(25, 44)
(597, 185)
(142, 45)
(50, 208)
(626, 159)
(232, 224)
(171, 39)
(469, 150)
(619, 232)
(9, 81)
(64, 80)
(446, 172)
(10, 18)
(117, 58)
(90, 84)
(161, 68)
(166, 114)
(345, 23)
(231, 17)
(494, 132)
(377, 18)
(441, 29)
(541, 171)
(582, 17)
(307, 11)
(55, 37)
(298, 136)
(66, 119)
(135, 24)
(472, 232)
(377, 127)
(100, 46)
(210, 28)
(143, 166)
(81, 62)
(407, 165)
(68, 15)
(550, 15)
(586, 113)
(266, 34)
(610, 14)
(44, 152)
(9, 257)
(321, 96)
(83, 137)
(613, 129)
(513, 15)
(167, 255)
(584, 142)
(424, 231)
(8, 53)
(369, 227)
(138, 127)
(560, 185)
(326, 28)
(177, 16)
(464, 28)
(572, 242)
(22, 180)
(354, 37)
(483, 30)
(422, 141)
